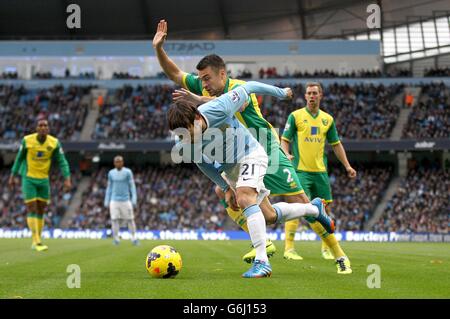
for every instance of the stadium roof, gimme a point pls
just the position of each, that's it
(204, 19)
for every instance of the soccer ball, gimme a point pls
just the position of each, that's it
(163, 262)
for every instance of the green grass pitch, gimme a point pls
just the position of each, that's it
(212, 269)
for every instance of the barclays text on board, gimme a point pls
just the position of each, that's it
(225, 235)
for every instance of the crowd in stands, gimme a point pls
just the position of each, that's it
(172, 197)
(272, 72)
(20, 108)
(437, 72)
(134, 113)
(13, 211)
(9, 75)
(430, 117)
(361, 111)
(124, 76)
(421, 203)
(180, 197)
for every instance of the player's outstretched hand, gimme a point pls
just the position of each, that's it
(230, 199)
(186, 95)
(67, 184)
(12, 181)
(351, 172)
(289, 93)
(160, 35)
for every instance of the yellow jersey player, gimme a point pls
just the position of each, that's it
(280, 178)
(33, 163)
(307, 130)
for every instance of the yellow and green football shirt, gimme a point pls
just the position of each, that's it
(281, 178)
(307, 134)
(34, 158)
(251, 117)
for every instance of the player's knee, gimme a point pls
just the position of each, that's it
(219, 192)
(270, 216)
(246, 196)
(299, 198)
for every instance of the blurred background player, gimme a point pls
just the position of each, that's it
(212, 82)
(33, 162)
(120, 198)
(307, 129)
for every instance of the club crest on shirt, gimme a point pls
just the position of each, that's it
(325, 122)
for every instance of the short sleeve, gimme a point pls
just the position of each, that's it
(289, 129)
(192, 83)
(332, 135)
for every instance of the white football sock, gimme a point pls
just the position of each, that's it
(257, 229)
(115, 227)
(294, 210)
(132, 228)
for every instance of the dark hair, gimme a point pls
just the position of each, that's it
(40, 119)
(314, 84)
(212, 60)
(181, 114)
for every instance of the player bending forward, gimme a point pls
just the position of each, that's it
(244, 162)
(120, 198)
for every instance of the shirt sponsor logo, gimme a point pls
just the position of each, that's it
(313, 139)
(315, 130)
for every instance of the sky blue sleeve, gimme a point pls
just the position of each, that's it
(213, 174)
(133, 189)
(237, 98)
(264, 89)
(108, 191)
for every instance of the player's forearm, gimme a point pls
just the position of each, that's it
(339, 150)
(18, 161)
(213, 174)
(169, 67)
(264, 89)
(285, 146)
(133, 194)
(64, 166)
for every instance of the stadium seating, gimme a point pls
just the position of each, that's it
(430, 118)
(421, 203)
(134, 114)
(168, 198)
(361, 111)
(20, 107)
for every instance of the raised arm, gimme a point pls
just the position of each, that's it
(169, 67)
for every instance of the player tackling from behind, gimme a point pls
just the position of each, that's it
(120, 198)
(281, 179)
(242, 159)
(33, 163)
